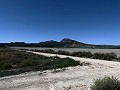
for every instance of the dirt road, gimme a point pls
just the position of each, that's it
(73, 78)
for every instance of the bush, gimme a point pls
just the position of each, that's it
(86, 54)
(77, 54)
(106, 56)
(44, 51)
(107, 83)
(63, 52)
(48, 51)
(82, 54)
(118, 59)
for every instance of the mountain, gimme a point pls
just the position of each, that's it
(71, 43)
(65, 43)
(50, 43)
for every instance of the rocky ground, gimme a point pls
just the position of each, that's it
(71, 78)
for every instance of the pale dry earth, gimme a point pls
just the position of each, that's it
(73, 78)
(116, 51)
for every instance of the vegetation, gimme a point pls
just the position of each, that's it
(107, 83)
(46, 51)
(63, 52)
(82, 54)
(105, 56)
(16, 62)
(101, 56)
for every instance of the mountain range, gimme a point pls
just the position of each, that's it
(65, 43)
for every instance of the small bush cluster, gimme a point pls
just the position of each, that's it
(107, 83)
(44, 51)
(105, 56)
(101, 56)
(63, 52)
(82, 54)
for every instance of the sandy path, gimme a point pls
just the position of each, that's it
(73, 78)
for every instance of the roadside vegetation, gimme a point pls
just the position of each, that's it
(15, 62)
(107, 83)
(101, 56)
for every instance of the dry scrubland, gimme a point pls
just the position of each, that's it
(15, 62)
(116, 51)
(69, 78)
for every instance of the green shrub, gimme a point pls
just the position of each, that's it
(77, 54)
(45, 51)
(86, 54)
(63, 52)
(48, 51)
(105, 56)
(82, 54)
(107, 83)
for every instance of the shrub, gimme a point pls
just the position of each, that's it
(48, 51)
(86, 54)
(63, 52)
(118, 59)
(44, 51)
(26, 63)
(77, 54)
(105, 56)
(107, 83)
(82, 54)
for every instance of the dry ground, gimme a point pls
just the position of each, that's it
(116, 51)
(73, 78)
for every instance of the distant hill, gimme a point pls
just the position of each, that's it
(70, 43)
(50, 43)
(66, 43)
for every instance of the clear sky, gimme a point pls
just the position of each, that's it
(89, 21)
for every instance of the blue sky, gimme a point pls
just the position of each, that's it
(89, 21)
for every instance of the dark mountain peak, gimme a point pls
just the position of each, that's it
(67, 40)
(51, 41)
(70, 43)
